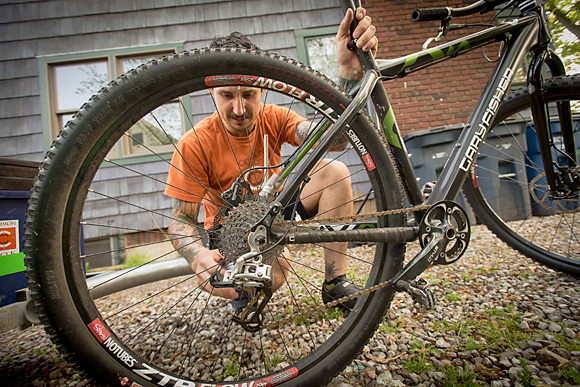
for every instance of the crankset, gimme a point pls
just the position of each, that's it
(444, 235)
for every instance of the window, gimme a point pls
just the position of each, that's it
(68, 81)
(316, 49)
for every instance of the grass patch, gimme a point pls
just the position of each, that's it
(496, 329)
(570, 345)
(335, 313)
(526, 376)
(136, 259)
(455, 378)
(232, 368)
(452, 297)
(571, 375)
(419, 360)
(272, 362)
(392, 326)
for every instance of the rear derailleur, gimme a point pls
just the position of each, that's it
(251, 275)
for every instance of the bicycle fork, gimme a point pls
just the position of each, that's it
(563, 179)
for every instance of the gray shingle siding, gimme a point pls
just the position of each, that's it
(30, 29)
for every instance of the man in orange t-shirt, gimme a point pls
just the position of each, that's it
(231, 130)
(228, 155)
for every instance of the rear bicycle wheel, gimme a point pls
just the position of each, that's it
(171, 332)
(508, 190)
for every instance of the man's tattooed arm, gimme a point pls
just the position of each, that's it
(303, 130)
(183, 232)
(347, 84)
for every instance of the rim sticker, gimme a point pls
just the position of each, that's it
(274, 380)
(99, 330)
(369, 162)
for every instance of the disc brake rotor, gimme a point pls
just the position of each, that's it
(540, 193)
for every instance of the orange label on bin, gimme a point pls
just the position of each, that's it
(9, 238)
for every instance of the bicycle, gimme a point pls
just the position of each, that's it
(291, 337)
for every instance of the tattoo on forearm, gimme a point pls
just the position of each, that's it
(302, 130)
(183, 231)
(347, 84)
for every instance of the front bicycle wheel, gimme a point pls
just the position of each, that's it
(508, 190)
(171, 332)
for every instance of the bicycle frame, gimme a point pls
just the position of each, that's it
(523, 35)
(527, 34)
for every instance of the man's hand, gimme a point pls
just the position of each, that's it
(207, 262)
(348, 64)
(186, 239)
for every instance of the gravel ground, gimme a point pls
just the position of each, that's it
(500, 320)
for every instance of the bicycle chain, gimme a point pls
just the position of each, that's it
(352, 217)
(339, 301)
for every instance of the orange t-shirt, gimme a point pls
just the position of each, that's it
(208, 159)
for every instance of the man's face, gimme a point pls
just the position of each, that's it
(238, 107)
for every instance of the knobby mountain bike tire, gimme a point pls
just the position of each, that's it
(172, 333)
(508, 190)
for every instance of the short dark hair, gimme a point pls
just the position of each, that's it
(234, 40)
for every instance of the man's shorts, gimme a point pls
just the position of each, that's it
(301, 213)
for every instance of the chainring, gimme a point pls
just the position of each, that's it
(451, 220)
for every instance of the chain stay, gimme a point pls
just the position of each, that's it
(353, 296)
(348, 218)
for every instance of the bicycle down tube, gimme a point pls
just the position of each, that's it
(461, 158)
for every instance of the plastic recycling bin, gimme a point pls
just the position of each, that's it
(540, 184)
(429, 151)
(16, 179)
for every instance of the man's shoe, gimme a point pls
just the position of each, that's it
(240, 302)
(338, 288)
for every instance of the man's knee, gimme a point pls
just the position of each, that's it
(335, 170)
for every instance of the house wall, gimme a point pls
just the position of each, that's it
(29, 29)
(440, 95)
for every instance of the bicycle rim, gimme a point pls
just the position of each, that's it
(508, 190)
(170, 332)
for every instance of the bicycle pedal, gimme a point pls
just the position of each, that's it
(420, 292)
(428, 189)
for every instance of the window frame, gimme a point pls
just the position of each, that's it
(302, 36)
(113, 58)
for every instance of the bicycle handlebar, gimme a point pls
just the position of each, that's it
(430, 14)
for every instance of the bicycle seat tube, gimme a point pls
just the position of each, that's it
(386, 119)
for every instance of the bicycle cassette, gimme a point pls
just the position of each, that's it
(235, 227)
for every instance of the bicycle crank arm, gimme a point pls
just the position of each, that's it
(444, 234)
(423, 260)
